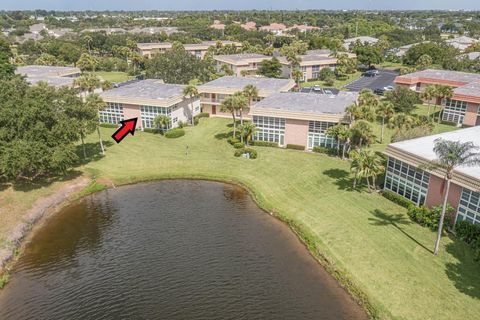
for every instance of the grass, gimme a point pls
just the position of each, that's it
(113, 76)
(366, 241)
(338, 83)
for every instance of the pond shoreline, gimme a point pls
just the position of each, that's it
(76, 191)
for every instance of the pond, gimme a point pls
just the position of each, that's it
(175, 249)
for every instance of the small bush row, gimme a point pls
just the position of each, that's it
(108, 125)
(259, 143)
(430, 217)
(196, 118)
(251, 152)
(175, 133)
(239, 145)
(295, 147)
(329, 151)
(398, 199)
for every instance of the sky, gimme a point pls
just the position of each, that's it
(67, 5)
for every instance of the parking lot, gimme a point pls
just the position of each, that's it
(384, 78)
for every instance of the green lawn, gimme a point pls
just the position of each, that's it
(367, 239)
(113, 76)
(338, 84)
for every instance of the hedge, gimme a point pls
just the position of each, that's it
(233, 140)
(175, 133)
(295, 147)
(470, 233)
(239, 145)
(259, 143)
(196, 118)
(329, 151)
(108, 125)
(398, 199)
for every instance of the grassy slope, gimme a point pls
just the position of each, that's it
(367, 237)
(113, 76)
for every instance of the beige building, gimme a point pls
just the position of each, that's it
(214, 92)
(301, 118)
(246, 62)
(312, 63)
(197, 49)
(145, 100)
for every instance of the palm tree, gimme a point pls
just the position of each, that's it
(442, 92)
(362, 133)
(450, 155)
(191, 92)
(106, 85)
(366, 164)
(248, 129)
(385, 110)
(428, 94)
(297, 75)
(88, 40)
(232, 104)
(94, 101)
(87, 82)
(402, 121)
(367, 97)
(162, 121)
(251, 92)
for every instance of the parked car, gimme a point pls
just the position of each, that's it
(379, 91)
(370, 73)
(388, 88)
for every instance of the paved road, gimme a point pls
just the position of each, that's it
(383, 79)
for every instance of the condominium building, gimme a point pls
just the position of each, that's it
(52, 75)
(406, 176)
(240, 64)
(312, 63)
(214, 92)
(145, 100)
(463, 108)
(301, 118)
(197, 49)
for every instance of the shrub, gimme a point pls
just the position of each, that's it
(233, 140)
(325, 73)
(252, 153)
(342, 77)
(4, 278)
(196, 119)
(295, 147)
(398, 199)
(239, 145)
(468, 232)
(108, 125)
(329, 81)
(175, 133)
(258, 143)
(329, 151)
(181, 124)
(150, 130)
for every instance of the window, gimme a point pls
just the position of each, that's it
(148, 114)
(317, 136)
(174, 120)
(407, 181)
(454, 111)
(197, 108)
(469, 207)
(315, 72)
(269, 129)
(113, 113)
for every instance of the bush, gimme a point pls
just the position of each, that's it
(259, 143)
(342, 77)
(175, 133)
(329, 151)
(233, 140)
(108, 125)
(329, 81)
(202, 115)
(251, 152)
(468, 232)
(239, 145)
(295, 147)
(181, 124)
(326, 73)
(151, 130)
(398, 199)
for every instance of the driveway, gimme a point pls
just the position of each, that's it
(383, 79)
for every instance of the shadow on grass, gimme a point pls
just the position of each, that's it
(464, 272)
(396, 220)
(25, 186)
(342, 179)
(93, 150)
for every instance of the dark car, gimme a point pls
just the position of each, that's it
(379, 91)
(370, 73)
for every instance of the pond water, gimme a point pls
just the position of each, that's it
(175, 249)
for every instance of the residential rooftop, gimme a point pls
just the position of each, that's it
(187, 46)
(242, 58)
(309, 103)
(47, 71)
(238, 83)
(449, 75)
(423, 147)
(152, 89)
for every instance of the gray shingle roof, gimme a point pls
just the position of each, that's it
(152, 89)
(310, 103)
(238, 83)
(45, 71)
(445, 75)
(242, 57)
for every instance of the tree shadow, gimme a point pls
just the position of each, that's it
(25, 186)
(464, 272)
(93, 150)
(385, 219)
(342, 179)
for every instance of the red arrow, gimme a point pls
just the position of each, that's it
(128, 126)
